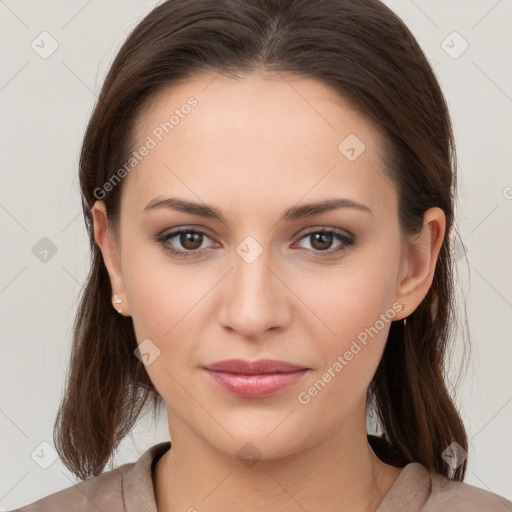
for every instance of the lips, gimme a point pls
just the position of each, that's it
(255, 379)
(243, 367)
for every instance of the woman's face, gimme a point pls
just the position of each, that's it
(256, 283)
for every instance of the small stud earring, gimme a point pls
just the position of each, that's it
(117, 300)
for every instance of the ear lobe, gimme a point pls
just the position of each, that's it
(420, 260)
(108, 246)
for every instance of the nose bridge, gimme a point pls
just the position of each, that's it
(253, 278)
(252, 267)
(253, 302)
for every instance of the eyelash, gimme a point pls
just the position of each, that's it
(162, 239)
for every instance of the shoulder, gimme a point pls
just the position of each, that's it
(103, 492)
(418, 490)
(447, 494)
(127, 487)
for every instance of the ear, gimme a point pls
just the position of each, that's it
(109, 248)
(419, 262)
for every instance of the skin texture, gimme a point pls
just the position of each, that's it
(253, 147)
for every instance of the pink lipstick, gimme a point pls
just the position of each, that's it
(256, 379)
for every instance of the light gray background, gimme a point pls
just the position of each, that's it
(45, 104)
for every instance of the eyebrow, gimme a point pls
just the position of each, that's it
(291, 214)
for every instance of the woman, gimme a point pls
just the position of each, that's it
(268, 187)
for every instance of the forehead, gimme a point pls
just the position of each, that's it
(272, 136)
(253, 105)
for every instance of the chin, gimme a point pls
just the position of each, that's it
(253, 442)
(251, 449)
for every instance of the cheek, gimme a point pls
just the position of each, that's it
(347, 300)
(165, 305)
(161, 293)
(353, 308)
(358, 313)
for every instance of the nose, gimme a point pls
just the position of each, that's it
(255, 298)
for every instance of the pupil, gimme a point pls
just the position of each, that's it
(324, 239)
(189, 240)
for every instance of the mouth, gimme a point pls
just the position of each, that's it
(257, 379)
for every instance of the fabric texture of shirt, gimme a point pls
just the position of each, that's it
(130, 488)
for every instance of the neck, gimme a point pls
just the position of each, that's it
(341, 473)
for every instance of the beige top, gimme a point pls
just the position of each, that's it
(130, 488)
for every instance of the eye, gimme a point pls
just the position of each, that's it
(321, 241)
(190, 240)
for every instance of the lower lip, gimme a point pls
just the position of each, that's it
(255, 386)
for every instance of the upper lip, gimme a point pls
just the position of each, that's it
(254, 367)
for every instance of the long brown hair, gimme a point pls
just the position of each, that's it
(365, 52)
